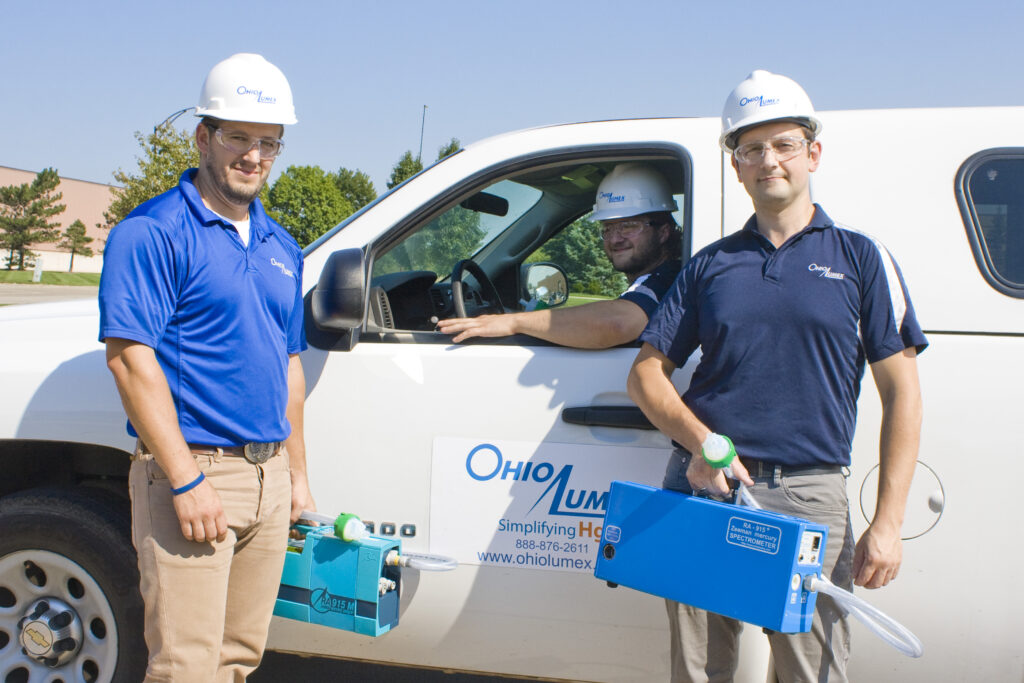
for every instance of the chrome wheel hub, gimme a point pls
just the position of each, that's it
(51, 632)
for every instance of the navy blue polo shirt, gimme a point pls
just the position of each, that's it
(222, 317)
(784, 335)
(648, 290)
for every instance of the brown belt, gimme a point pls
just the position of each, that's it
(202, 449)
(256, 453)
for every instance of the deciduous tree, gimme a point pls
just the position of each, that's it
(407, 167)
(307, 202)
(355, 186)
(165, 154)
(452, 147)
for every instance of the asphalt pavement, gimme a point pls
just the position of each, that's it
(11, 293)
(278, 667)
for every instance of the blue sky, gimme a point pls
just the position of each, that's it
(79, 78)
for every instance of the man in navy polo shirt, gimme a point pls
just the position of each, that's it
(786, 312)
(641, 239)
(201, 311)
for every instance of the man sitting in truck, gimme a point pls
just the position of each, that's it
(641, 239)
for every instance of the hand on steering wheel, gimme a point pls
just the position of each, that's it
(489, 291)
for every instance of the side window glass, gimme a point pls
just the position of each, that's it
(579, 250)
(461, 231)
(990, 190)
(519, 242)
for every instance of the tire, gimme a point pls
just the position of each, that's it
(69, 551)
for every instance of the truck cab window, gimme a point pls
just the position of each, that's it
(990, 189)
(528, 218)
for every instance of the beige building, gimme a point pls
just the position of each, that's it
(86, 202)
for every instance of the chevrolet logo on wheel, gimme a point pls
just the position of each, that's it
(39, 638)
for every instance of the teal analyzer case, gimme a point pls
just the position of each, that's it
(338, 583)
(737, 561)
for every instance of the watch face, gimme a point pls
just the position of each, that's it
(258, 453)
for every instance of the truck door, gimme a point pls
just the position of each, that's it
(462, 449)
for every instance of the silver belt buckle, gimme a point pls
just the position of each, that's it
(259, 453)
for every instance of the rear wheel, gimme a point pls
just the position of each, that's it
(70, 608)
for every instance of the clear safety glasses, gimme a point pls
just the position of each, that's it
(624, 229)
(784, 148)
(240, 143)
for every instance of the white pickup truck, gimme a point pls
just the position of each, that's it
(499, 452)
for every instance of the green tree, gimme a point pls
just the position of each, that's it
(406, 167)
(579, 250)
(76, 241)
(452, 147)
(166, 154)
(454, 235)
(355, 186)
(25, 213)
(307, 202)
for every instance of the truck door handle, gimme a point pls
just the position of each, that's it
(623, 417)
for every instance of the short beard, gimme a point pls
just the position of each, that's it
(232, 195)
(642, 262)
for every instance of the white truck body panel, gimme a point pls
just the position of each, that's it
(374, 413)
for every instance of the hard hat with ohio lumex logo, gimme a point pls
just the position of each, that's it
(246, 87)
(763, 97)
(630, 190)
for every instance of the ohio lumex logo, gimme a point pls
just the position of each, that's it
(486, 462)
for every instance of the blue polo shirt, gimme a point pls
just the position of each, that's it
(648, 290)
(784, 335)
(221, 316)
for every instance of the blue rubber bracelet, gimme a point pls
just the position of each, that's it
(189, 486)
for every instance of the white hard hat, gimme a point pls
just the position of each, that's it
(761, 98)
(246, 87)
(630, 190)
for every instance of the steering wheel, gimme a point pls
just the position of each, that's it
(489, 291)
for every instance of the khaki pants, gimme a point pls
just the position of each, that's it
(705, 646)
(208, 605)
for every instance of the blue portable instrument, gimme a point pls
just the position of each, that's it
(342, 584)
(737, 561)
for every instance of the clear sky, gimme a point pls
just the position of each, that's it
(80, 77)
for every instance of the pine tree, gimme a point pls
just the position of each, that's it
(25, 213)
(76, 241)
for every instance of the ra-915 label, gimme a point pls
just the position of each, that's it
(747, 533)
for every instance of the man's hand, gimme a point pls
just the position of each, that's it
(500, 325)
(302, 499)
(201, 514)
(704, 478)
(877, 558)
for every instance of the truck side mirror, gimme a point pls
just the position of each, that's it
(339, 299)
(545, 283)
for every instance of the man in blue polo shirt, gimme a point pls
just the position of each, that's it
(786, 312)
(201, 311)
(641, 239)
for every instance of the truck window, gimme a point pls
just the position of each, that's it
(990, 191)
(517, 220)
(461, 231)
